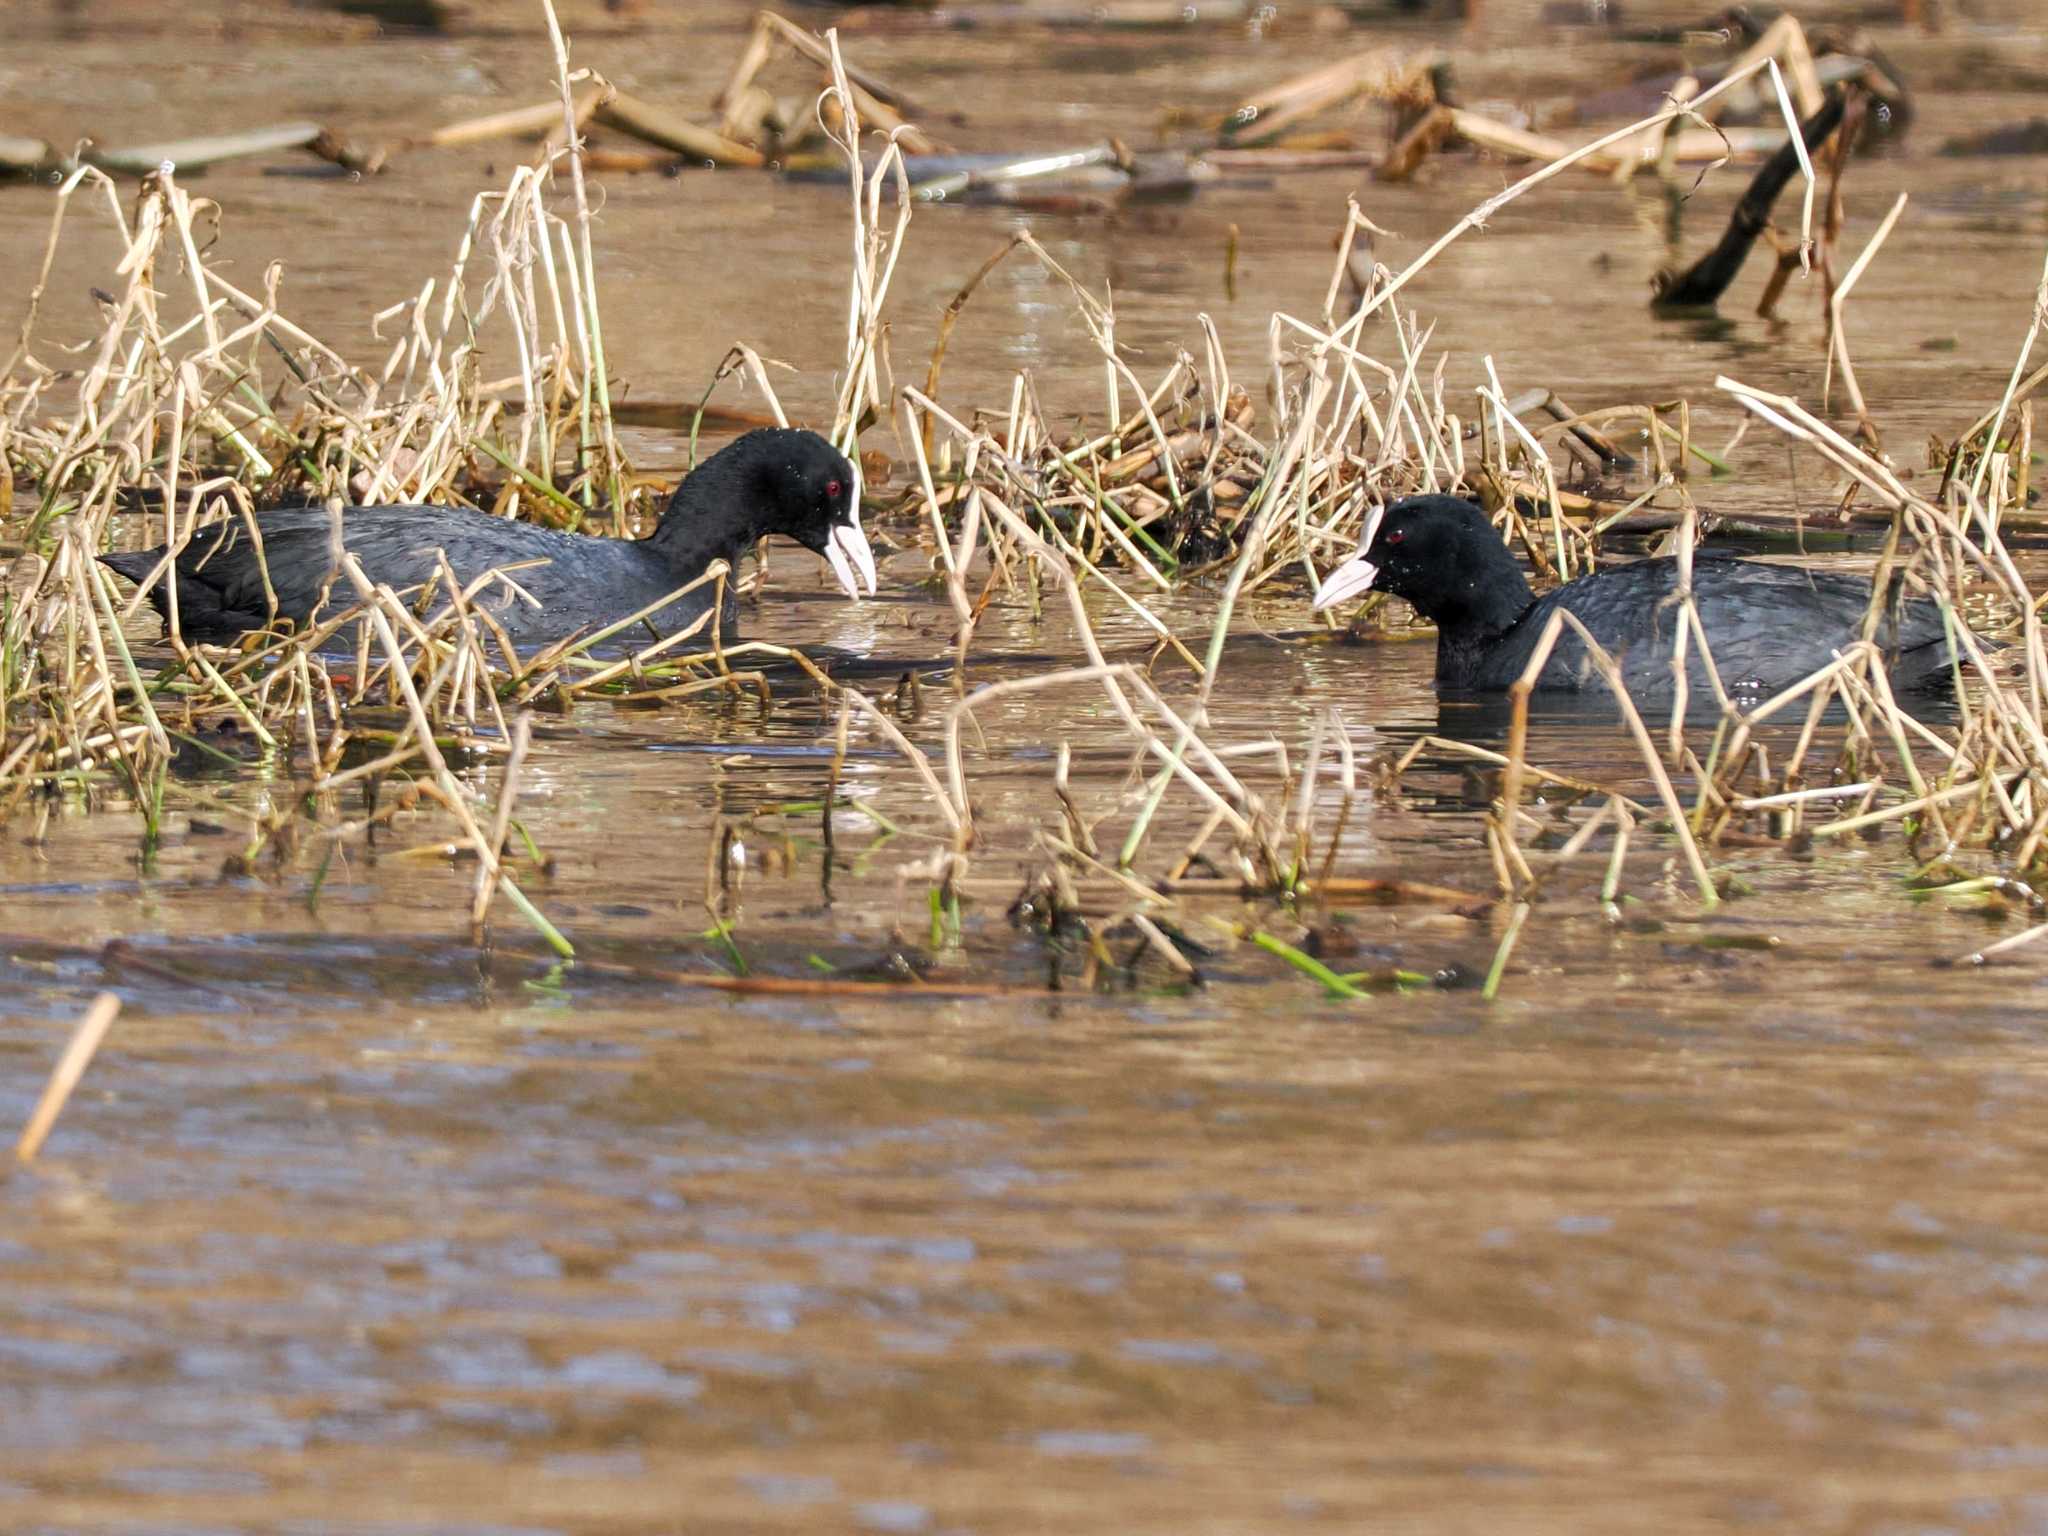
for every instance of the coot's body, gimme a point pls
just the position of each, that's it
(1768, 625)
(770, 481)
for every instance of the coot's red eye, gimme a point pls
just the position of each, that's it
(832, 489)
(1393, 536)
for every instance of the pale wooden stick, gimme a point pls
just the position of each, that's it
(78, 1052)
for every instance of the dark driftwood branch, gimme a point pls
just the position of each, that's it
(1702, 285)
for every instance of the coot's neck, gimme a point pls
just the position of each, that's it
(706, 520)
(1487, 600)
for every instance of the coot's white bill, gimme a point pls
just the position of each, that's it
(1354, 578)
(847, 552)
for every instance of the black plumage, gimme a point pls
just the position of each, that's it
(769, 481)
(1768, 625)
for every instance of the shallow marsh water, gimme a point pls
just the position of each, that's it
(356, 1226)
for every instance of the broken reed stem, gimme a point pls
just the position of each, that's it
(950, 317)
(378, 600)
(1610, 673)
(1509, 805)
(78, 1053)
(1792, 124)
(1995, 423)
(861, 392)
(594, 363)
(501, 824)
(957, 816)
(1838, 342)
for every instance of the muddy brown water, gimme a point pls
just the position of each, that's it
(357, 1226)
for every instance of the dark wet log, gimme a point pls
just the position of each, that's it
(1701, 286)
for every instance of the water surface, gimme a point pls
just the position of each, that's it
(358, 1225)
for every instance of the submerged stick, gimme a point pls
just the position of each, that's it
(1838, 346)
(78, 1053)
(817, 986)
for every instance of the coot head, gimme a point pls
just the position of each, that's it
(1438, 552)
(811, 493)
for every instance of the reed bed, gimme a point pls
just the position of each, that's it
(200, 400)
(1185, 484)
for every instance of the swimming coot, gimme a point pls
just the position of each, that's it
(774, 480)
(1769, 625)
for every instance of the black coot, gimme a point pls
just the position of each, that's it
(1769, 625)
(769, 481)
